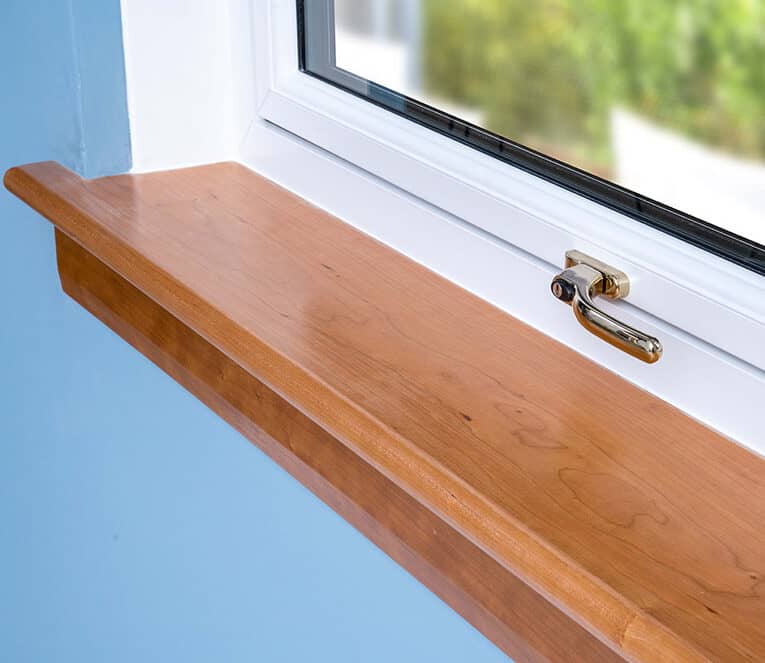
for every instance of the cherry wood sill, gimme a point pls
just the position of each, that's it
(477, 452)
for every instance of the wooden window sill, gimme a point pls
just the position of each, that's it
(480, 454)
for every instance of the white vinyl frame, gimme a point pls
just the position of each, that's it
(496, 231)
(706, 296)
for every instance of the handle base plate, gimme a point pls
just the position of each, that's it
(615, 284)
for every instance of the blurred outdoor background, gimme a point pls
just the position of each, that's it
(665, 97)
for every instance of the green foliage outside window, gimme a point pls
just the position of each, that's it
(550, 72)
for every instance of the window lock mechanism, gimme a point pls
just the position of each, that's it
(586, 278)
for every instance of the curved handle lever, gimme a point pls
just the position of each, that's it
(585, 279)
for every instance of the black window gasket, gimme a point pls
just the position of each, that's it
(316, 51)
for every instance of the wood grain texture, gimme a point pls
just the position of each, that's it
(515, 617)
(629, 518)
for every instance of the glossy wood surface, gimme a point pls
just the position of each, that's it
(630, 518)
(515, 617)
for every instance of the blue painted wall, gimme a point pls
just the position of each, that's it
(134, 524)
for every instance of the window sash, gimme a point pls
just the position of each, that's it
(316, 47)
(709, 298)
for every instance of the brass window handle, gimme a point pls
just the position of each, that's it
(584, 279)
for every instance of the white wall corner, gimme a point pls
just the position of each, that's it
(183, 77)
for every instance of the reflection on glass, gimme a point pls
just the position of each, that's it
(665, 97)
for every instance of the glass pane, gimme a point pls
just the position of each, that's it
(665, 98)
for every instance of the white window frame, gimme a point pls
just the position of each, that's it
(687, 287)
(210, 82)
